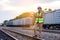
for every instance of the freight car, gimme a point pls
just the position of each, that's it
(20, 22)
(52, 20)
(9, 23)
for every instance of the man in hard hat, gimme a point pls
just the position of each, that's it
(39, 19)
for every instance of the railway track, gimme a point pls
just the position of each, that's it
(4, 36)
(19, 36)
(47, 34)
(47, 30)
(51, 31)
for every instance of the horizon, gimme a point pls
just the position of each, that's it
(9, 9)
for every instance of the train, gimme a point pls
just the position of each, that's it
(51, 20)
(20, 22)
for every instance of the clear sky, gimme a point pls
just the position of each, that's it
(9, 9)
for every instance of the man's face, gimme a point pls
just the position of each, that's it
(39, 9)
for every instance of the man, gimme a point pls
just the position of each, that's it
(39, 18)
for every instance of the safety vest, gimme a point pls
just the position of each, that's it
(38, 14)
(39, 19)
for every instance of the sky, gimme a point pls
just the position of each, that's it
(9, 9)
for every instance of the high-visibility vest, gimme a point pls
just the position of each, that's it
(39, 14)
(39, 19)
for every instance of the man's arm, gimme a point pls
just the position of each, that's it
(42, 14)
(35, 16)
